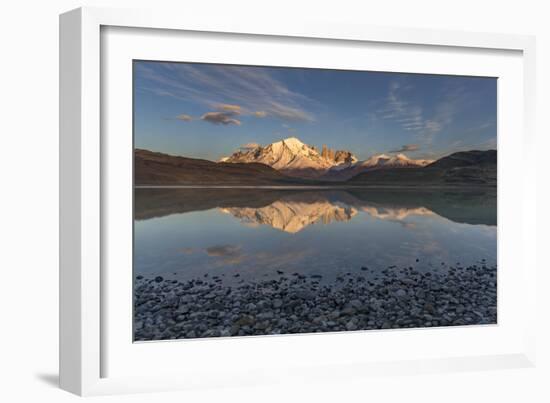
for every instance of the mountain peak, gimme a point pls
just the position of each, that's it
(293, 157)
(293, 143)
(293, 140)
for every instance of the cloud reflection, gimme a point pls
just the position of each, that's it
(235, 255)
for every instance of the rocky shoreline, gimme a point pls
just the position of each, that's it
(294, 303)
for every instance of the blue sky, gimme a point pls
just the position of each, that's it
(209, 111)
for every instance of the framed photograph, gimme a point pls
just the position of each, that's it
(238, 197)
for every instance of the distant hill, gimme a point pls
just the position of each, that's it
(466, 158)
(461, 168)
(152, 168)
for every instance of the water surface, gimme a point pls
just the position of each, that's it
(240, 234)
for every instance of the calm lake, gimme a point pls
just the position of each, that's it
(254, 234)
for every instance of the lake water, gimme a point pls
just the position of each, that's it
(258, 233)
(238, 262)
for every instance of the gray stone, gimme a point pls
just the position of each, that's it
(265, 316)
(305, 294)
(401, 293)
(277, 303)
(356, 304)
(348, 310)
(351, 325)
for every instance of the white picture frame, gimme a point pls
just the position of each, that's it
(84, 170)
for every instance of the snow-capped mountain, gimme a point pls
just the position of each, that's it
(393, 161)
(293, 157)
(380, 161)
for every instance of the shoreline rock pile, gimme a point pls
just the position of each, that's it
(389, 299)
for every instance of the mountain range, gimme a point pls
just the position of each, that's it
(294, 158)
(290, 162)
(465, 168)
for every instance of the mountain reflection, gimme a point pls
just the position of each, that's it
(292, 210)
(396, 214)
(292, 216)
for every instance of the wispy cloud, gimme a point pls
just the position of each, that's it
(221, 118)
(255, 90)
(229, 108)
(406, 147)
(489, 123)
(187, 251)
(225, 114)
(184, 117)
(413, 117)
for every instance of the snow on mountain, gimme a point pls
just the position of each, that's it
(394, 161)
(380, 161)
(292, 157)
